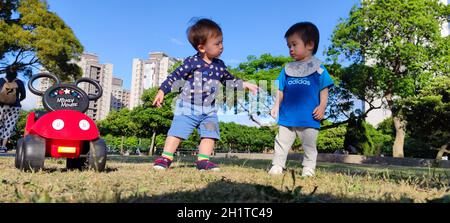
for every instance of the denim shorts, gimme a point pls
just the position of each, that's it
(188, 116)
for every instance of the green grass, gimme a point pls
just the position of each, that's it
(131, 179)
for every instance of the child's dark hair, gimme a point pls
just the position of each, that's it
(307, 31)
(199, 32)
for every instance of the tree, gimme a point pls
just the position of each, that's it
(235, 137)
(31, 36)
(151, 120)
(331, 140)
(118, 123)
(430, 109)
(358, 137)
(402, 43)
(262, 71)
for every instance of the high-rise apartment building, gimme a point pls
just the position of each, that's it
(120, 98)
(102, 73)
(149, 73)
(44, 84)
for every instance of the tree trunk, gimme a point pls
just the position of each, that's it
(397, 149)
(152, 145)
(399, 124)
(121, 145)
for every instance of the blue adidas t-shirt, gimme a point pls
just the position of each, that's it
(301, 95)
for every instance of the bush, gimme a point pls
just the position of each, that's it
(384, 136)
(358, 137)
(382, 143)
(331, 140)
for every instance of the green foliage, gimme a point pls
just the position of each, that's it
(118, 123)
(387, 126)
(31, 35)
(402, 43)
(241, 138)
(428, 110)
(391, 34)
(331, 140)
(263, 68)
(254, 67)
(130, 143)
(401, 39)
(192, 142)
(152, 121)
(382, 141)
(142, 121)
(357, 136)
(175, 66)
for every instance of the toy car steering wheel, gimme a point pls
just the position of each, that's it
(65, 96)
(93, 82)
(38, 76)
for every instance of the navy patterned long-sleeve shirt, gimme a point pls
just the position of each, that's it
(200, 80)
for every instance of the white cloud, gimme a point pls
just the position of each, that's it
(176, 41)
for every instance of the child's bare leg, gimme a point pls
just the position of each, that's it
(171, 144)
(206, 146)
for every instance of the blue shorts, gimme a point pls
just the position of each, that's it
(187, 117)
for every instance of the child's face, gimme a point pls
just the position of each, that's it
(213, 47)
(298, 49)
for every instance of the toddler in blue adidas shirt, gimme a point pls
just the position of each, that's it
(302, 98)
(200, 74)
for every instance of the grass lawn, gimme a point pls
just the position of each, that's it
(131, 179)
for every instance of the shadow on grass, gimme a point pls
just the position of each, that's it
(226, 191)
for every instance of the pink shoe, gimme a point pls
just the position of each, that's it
(206, 165)
(162, 163)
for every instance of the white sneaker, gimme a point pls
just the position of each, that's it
(307, 172)
(159, 168)
(276, 170)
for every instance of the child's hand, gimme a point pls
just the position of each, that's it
(319, 113)
(251, 87)
(274, 112)
(159, 99)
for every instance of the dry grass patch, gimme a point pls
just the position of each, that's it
(131, 179)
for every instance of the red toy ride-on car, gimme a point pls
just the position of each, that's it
(63, 131)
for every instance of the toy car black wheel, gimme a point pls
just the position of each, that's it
(97, 155)
(33, 149)
(77, 163)
(19, 154)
